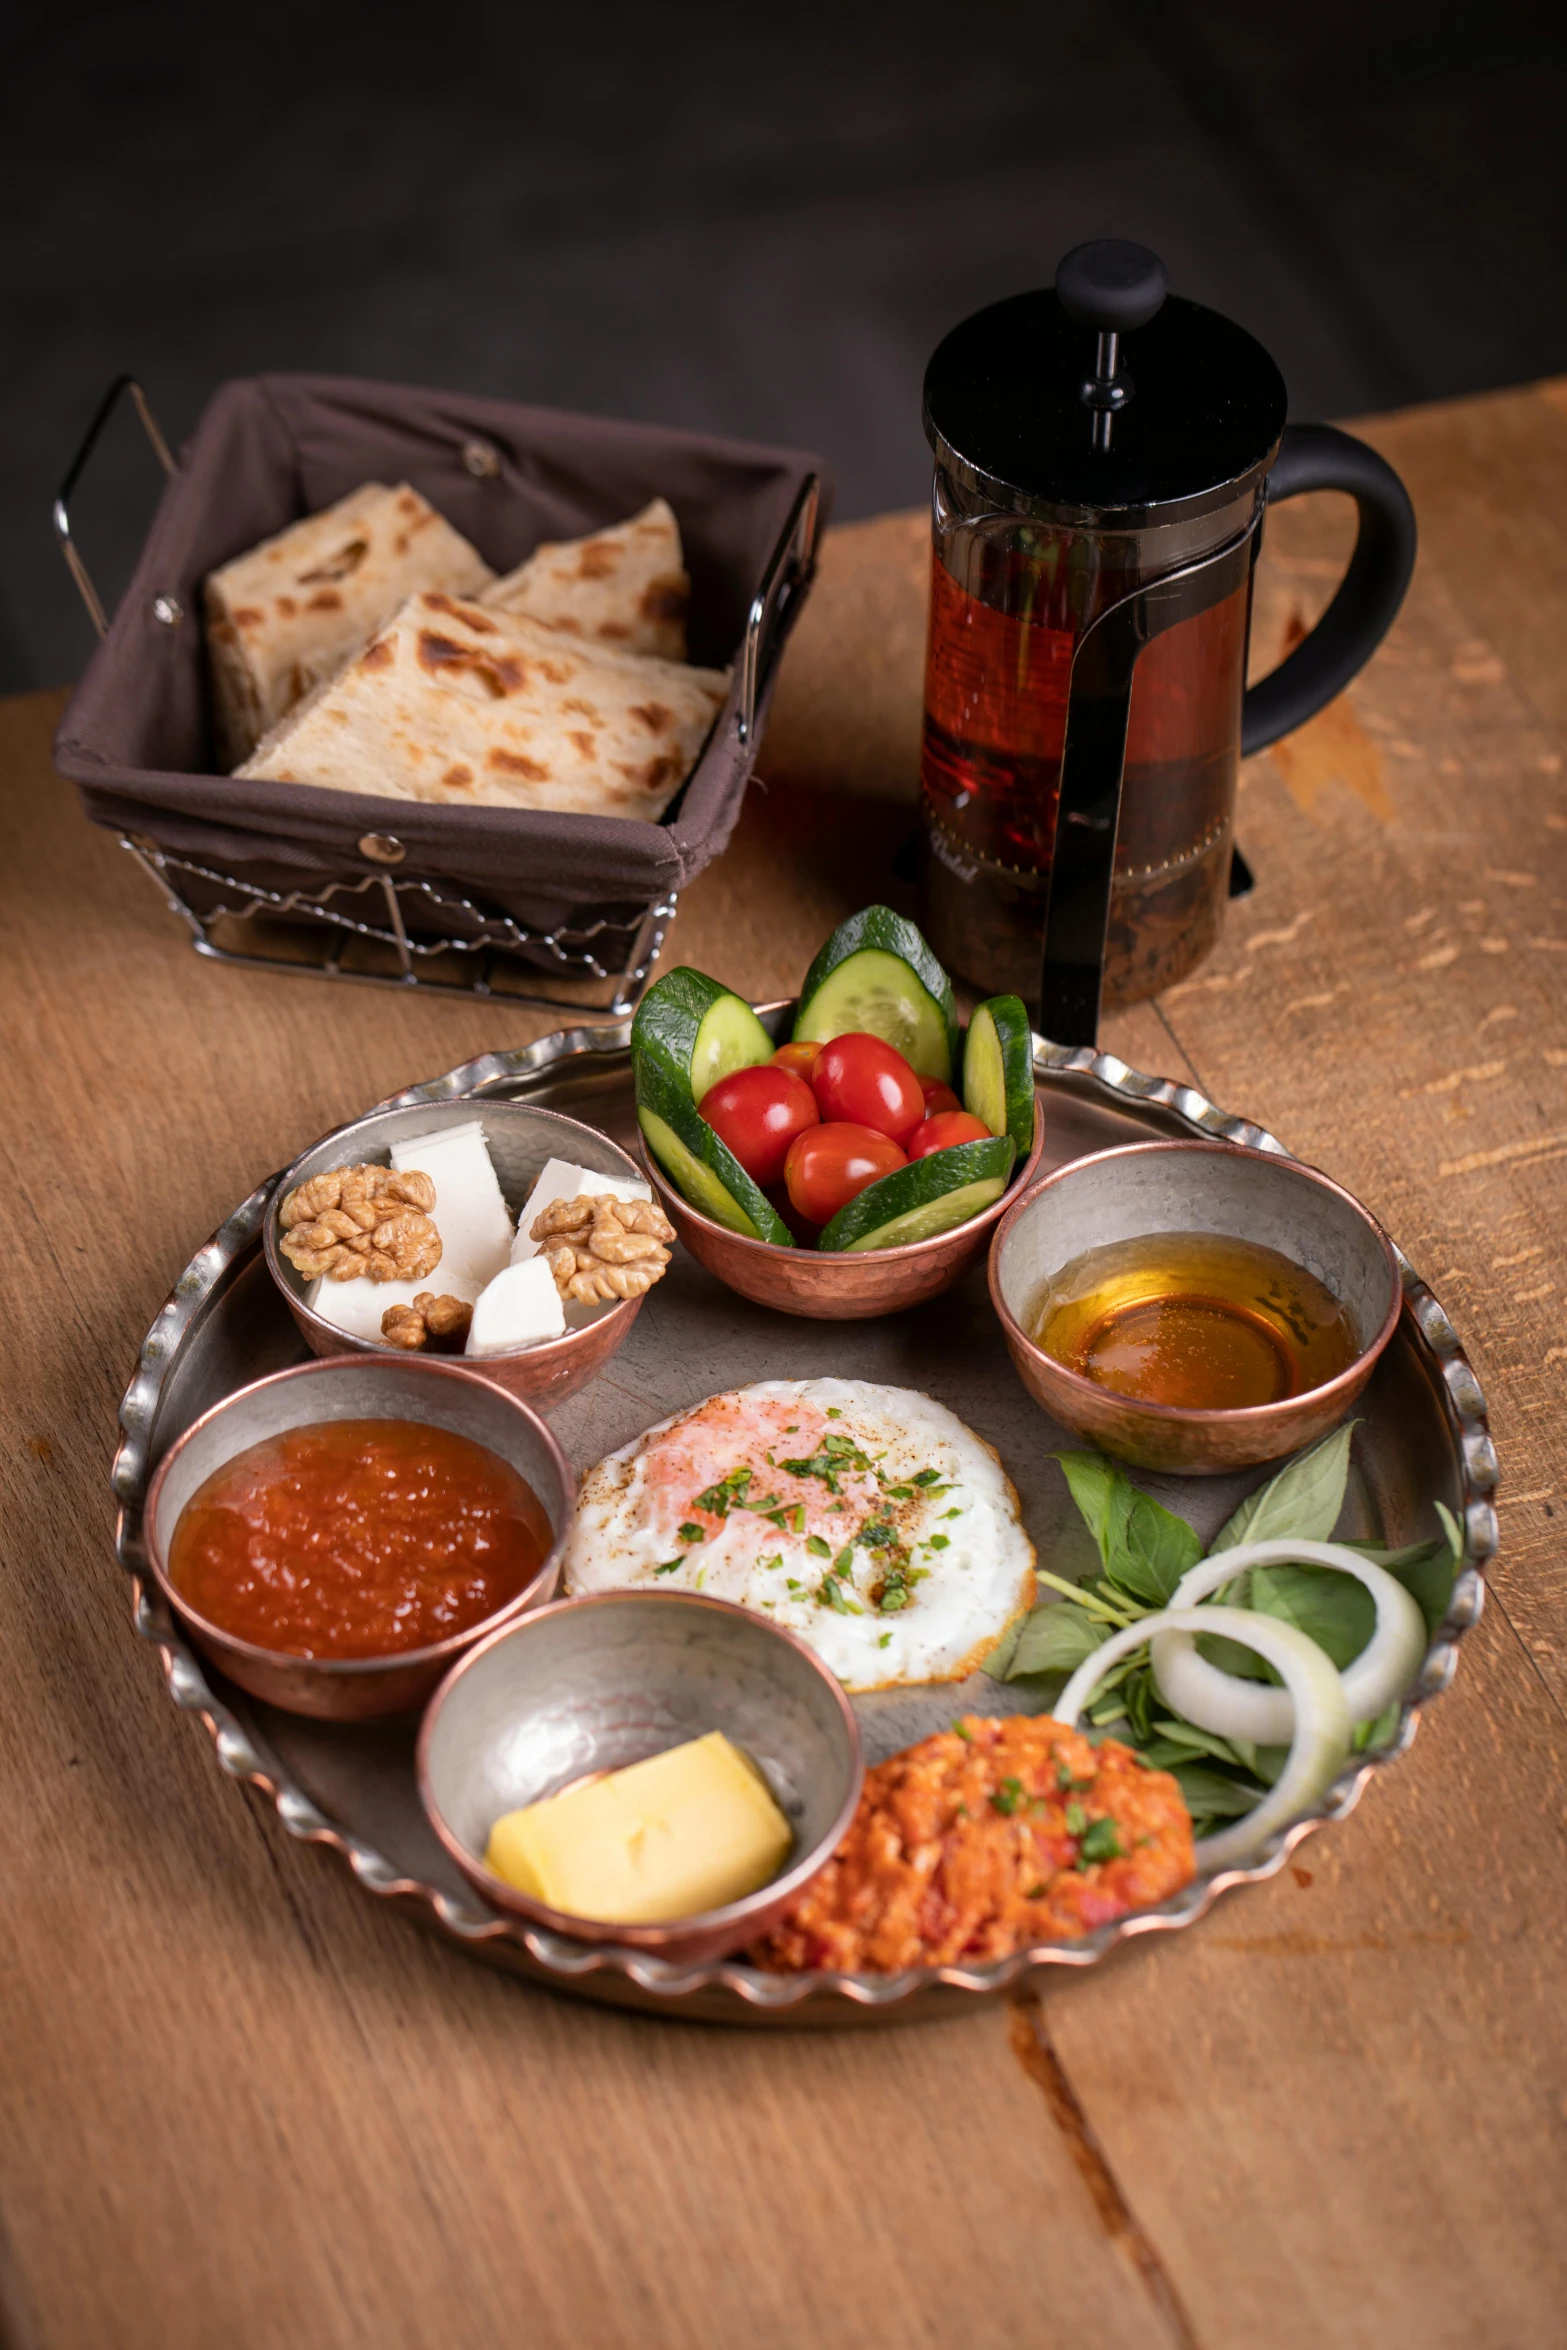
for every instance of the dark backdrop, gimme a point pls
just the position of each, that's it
(757, 218)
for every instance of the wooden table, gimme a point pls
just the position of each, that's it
(242, 2105)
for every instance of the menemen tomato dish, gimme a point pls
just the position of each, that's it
(986, 1838)
(358, 1538)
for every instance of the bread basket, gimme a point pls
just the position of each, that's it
(344, 884)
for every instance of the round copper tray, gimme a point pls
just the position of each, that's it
(1423, 1437)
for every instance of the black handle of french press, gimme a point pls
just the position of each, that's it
(1319, 457)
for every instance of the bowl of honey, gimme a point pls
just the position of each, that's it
(335, 1536)
(1194, 1307)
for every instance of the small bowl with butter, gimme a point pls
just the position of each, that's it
(659, 1770)
(412, 1230)
(1194, 1307)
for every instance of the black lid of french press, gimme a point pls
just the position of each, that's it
(1105, 397)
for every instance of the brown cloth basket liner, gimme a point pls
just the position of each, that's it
(135, 737)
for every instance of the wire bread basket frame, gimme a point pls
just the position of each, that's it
(368, 910)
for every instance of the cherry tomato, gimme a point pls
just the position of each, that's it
(944, 1130)
(829, 1165)
(859, 1079)
(800, 1058)
(938, 1097)
(758, 1112)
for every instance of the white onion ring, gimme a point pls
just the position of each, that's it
(1232, 1708)
(1320, 1722)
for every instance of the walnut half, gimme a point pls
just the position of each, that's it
(362, 1220)
(599, 1247)
(439, 1324)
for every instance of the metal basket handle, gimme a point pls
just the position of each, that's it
(788, 574)
(62, 513)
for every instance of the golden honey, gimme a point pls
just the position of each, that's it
(1195, 1319)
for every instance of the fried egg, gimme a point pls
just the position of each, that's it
(868, 1520)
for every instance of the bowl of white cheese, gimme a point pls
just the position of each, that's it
(461, 1275)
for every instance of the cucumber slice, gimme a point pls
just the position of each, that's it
(705, 1029)
(927, 1196)
(701, 1167)
(998, 1070)
(877, 974)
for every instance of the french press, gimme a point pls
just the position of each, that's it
(1105, 452)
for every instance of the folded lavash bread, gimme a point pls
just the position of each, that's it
(292, 611)
(468, 707)
(626, 588)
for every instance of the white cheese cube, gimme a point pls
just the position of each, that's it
(519, 1307)
(562, 1180)
(469, 1213)
(357, 1306)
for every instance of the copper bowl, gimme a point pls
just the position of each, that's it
(355, 1387)
(591, 1685)
(1223, 1187)
(832, 1286)
(520, 1139)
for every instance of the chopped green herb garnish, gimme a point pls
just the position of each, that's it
(893, 1598)
(937, 1542)
(962, 1728)
(844, 1561)
(670, 1565)
(839, 1444)
(1076, 1819)
(880, 1535)
(832, 1592)
(792, 1584)
(817, 1547)
(1064, 1775)
(833, 1412)
(1007, 1797)
(928, 1477)
(728, 1494)
(691, 1532)
(1102, 1842)
(1035, 1893)
(793, 1428)
(952, 1513)
(776, 1560)
(899, 1492)
(882, 1642)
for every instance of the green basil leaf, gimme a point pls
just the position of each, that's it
(1101, 1491)
(1427, 1570)
(1377, 1733)
(1331, 1608)
(1189, 1741)
(1055, 1639)
(999, 1662)
(1302, 1502)
(1152, 1550)
(1231, 1657)
(1212, 1795)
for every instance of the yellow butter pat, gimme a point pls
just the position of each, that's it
(685, 1831)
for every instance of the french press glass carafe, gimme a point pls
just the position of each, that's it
(1104, 454)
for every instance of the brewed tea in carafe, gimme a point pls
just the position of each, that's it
(1102, 462)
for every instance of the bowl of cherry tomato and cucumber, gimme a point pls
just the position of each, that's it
(845, 1154)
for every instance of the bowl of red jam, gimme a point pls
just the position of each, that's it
(334, 1537)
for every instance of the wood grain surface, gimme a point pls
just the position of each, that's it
(240, 2104)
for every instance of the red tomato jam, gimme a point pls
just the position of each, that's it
(358, 1538)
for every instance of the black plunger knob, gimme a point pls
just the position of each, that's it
(1112, 286)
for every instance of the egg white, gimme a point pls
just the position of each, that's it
(960, 1544)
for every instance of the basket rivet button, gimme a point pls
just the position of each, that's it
(168, 611)
(382, 848)
(481, 460)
